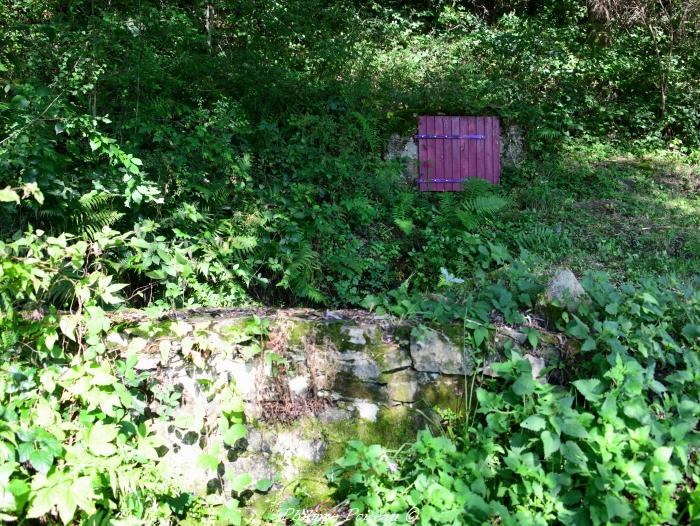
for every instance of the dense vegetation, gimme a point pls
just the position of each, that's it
(185, 154)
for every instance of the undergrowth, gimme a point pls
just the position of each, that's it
(166, 155)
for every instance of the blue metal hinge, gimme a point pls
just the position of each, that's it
(435, 136)
(429, 181)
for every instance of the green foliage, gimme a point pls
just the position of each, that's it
(280, 195)
(151, 156)
(76, 444)
(544, 241)
(614, 446)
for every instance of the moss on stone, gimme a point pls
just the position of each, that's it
(401, 386)
(333, 332)
(444, 392)
(389, 356)
(231, 329)
(454, 332)
(299, 331)
(393, 427)
(350, 386)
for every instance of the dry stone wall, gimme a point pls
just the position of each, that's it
(309, 381)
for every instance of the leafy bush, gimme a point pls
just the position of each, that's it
(617, 445)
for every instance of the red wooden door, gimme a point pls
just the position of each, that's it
(452, 149)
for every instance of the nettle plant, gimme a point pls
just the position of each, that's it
(609, 451)
(618, 445)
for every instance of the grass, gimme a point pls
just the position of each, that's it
(630, 216)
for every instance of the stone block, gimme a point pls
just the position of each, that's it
(433, 352)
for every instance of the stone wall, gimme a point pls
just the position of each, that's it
(309, 382)
(512, 145)
(406, 150)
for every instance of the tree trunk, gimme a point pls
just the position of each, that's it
(208, 23)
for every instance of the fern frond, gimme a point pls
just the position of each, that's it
(475, 186)
(244, 244)
(485, 205)
(546, 133)
(98, 220)
(469, 220)
(94, 212)
(400, 213)
(299, 274)
(94, 200)
(369, 132)
(405, 225)
(543, 240)
(448, 209)
(61, 293)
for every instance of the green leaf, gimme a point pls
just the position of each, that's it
(550, 443)
(85, 495)
(20, 101)
(348, 460)
(662, 455)
(612, 308)
(574, 428)
(588, 345)
(207, 461)
(41, 460)
(590, 389)
(263, 485)
(67, 324)
(573, 453)
(691, 332)
(234, 434)
(617, 507)
(534, 423)
(240, 481)
(480, 334)
(533, 338)
(8, 195)
(230, 513)
(42, 501)
(32, 189)
(100, 438)
(20, 492)
(638, 410)
(578, 329)
(524, 385)
(648, 298)
(102, 376)
(609, 408)
(65, 503)
(635, 471)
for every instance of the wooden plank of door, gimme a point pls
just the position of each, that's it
(455, 148)
(432, 154)
(479, 148)
(463, 151)
(423, 155)
(472, 147)
(440, 154)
